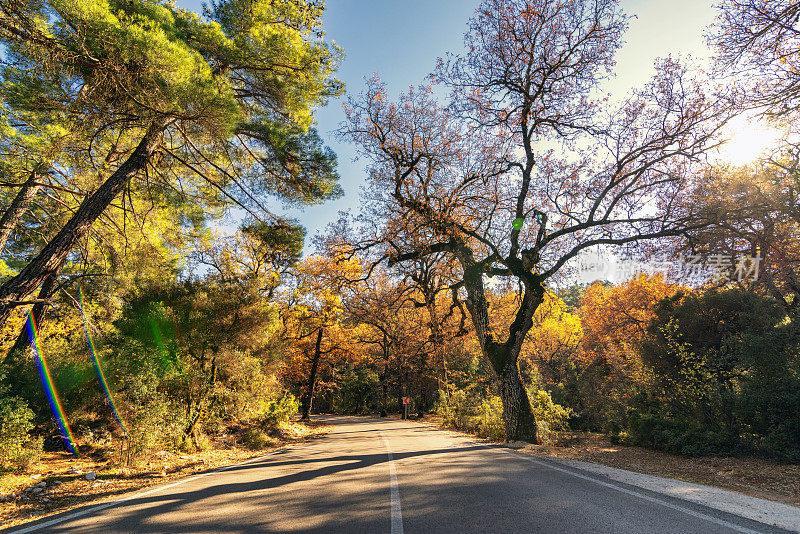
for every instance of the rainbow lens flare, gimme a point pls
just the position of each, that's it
(98, 369)
(49, 387)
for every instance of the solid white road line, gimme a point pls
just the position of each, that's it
(621, 489)
(394, 492)
(642, 496)
(111, 504)
(688, 511)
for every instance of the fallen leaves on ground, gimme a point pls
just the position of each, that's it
(58, 482)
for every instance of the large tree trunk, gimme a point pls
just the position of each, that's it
(385, 394)
(308, 398)
(423, 385)
(385, 378)
(56, 251)
(517, 412)
(518, 415)
(17, 209)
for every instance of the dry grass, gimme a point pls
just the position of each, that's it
(66, 489)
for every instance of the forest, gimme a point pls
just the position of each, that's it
(153, 298)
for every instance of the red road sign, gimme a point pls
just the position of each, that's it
(406, 400)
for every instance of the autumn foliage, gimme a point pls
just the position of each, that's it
(132, 133)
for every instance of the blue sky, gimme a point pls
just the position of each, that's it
(401, 39)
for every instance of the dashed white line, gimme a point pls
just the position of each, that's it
(394, 492)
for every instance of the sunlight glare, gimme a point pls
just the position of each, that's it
(747, 140)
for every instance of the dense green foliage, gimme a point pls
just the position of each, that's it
(726, 368)
(16, 421)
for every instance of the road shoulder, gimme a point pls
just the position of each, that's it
(765, 511)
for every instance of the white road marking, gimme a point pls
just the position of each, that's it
(642, 496)
(621, 489)
(111, 504)
(394, 492)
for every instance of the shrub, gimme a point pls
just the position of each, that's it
(254, 438)
(678, 436)
(153, 419)
(279, 411)
(455, 409)
(490, 423)
(16, 447)
(244, 391)
(614, 432)
(556, 416)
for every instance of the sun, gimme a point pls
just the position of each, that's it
(748, 139)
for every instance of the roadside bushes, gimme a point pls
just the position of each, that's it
(464, 410)
(279, 411)
(726, 377)
(770, 415)
(154, 420)
(678, 436)
(17, 448)
(455, 409)
(490, 418)
(550, 417)
(255, 438)
(261, 432)
(764, 421)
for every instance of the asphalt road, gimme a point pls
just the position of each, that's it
(372, 475)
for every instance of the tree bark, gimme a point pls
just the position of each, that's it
(385, 391)
(17, 209)
(517, 411)
(312, 377)
(518, 416)
(385, 377)
(56, 251)
(423, 385)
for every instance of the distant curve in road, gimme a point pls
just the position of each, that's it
(389, 476)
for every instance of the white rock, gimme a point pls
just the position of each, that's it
(515, 444)
(36, 490)
(45, 500)
(90, 475)
(41, 484)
